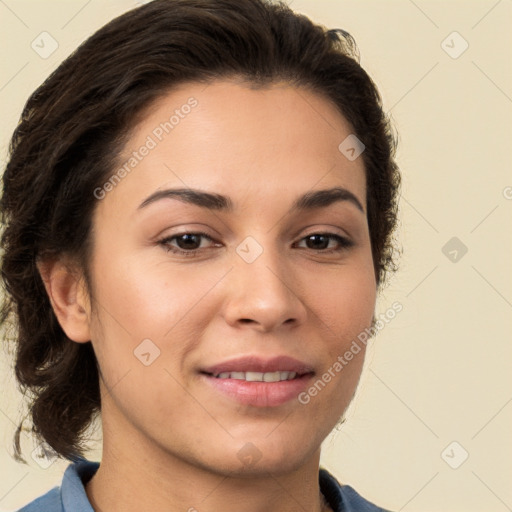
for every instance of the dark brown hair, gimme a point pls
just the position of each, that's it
(74, 125)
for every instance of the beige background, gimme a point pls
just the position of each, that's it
(441, 370)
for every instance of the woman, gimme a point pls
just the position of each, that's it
(198, 207)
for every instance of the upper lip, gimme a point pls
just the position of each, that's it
(259, 364)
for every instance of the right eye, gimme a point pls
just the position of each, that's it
(187, 244)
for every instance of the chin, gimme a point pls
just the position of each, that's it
(259, 458)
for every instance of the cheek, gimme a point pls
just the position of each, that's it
(146, 298)
(344, 300)
(139, 300)
(345, 310)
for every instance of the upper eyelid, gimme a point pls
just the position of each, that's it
(329, 229)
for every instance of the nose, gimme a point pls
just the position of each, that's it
(264, 295)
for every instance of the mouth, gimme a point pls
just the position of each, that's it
(259, 382)
(256, 368)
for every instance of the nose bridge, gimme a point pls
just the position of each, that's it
(262, 263)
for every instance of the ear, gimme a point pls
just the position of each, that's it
(66, 290)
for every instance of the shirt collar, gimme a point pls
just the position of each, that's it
(74, 497)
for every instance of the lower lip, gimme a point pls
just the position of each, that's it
(260, 394)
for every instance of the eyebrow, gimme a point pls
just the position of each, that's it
(309, 201)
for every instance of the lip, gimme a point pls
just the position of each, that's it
(260, 394)
(259, 364)
(256, 393)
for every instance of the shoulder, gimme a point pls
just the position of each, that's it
(70, 496)
(343, 498)
(50, 501)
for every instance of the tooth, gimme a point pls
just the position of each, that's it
(258, 376)
(253, 376)
(272, 376)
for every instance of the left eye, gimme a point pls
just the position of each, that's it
(320, 242)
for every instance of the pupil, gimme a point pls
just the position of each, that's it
(315, 238)
(190, 241)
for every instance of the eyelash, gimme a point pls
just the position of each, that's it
(344, 243)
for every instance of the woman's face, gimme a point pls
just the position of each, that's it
(272, 276)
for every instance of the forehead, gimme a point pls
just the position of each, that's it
(238, 141)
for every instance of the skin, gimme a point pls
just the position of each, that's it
(170, 441)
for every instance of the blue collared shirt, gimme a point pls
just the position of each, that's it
(70, 496)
